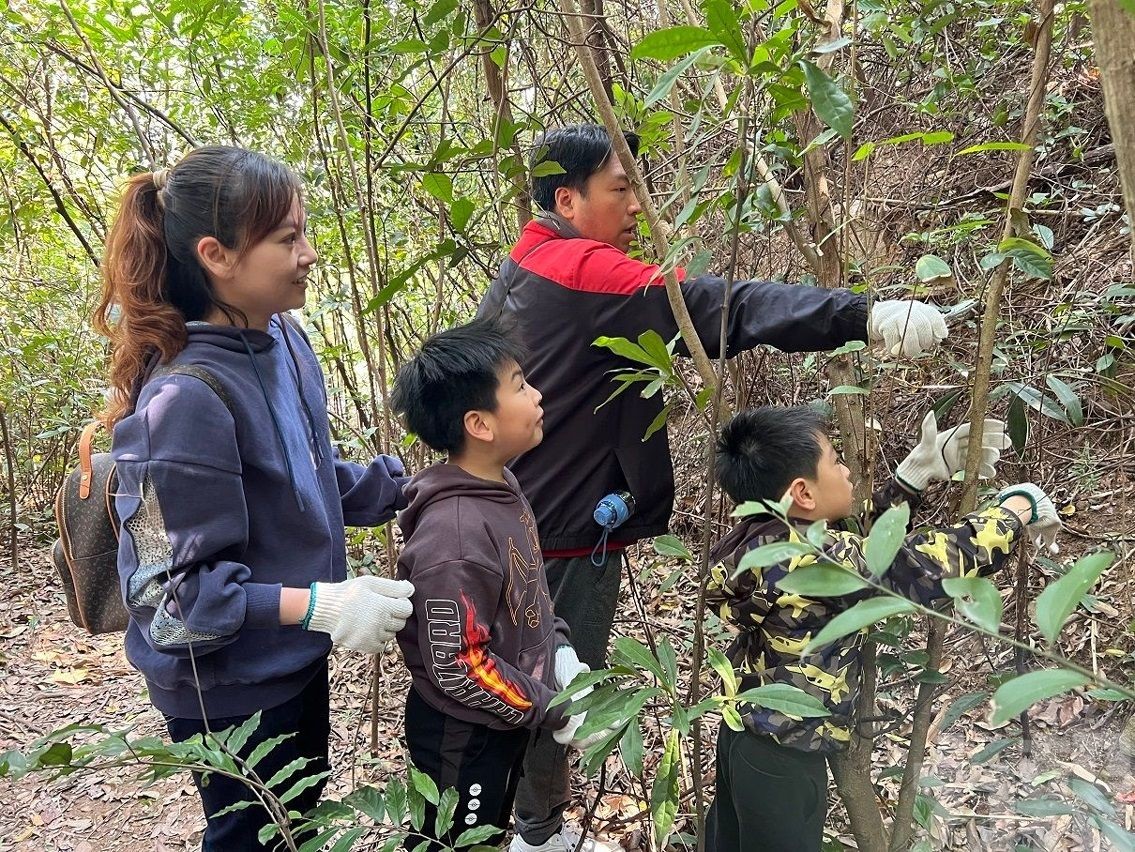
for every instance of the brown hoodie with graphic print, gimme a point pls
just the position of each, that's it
(482, 640)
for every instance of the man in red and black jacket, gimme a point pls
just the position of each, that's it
(569, 281)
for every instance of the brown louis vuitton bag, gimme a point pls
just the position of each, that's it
(86, 552)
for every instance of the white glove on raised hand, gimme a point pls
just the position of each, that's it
(939, 455)
(1045, 523)
(362, 613)
(909, 327)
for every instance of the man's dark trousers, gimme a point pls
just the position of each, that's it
(585, 596)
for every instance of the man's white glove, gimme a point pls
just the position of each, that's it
(939, 455)
(1045, 523)
(362, 613)
(906, 326)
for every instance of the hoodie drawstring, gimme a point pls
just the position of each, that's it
(275, 423)
(316, 449)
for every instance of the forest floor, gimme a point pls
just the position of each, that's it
(974, 774)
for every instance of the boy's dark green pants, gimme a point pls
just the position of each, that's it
(769, 798)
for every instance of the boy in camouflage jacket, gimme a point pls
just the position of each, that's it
(772, 777)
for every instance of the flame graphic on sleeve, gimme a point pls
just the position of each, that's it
(480, 667)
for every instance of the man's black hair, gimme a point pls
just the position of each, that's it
(581, 150)
(761, 450)
(454, 372)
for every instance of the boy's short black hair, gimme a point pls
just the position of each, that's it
(581, 150)
(453, 373)
(761, 450)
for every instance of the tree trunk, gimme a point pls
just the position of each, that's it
(1113, 30)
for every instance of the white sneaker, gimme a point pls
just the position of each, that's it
(565, 841)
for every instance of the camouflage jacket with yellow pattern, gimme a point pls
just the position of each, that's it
(774, 626)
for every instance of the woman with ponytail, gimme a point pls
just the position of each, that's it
(233, 501)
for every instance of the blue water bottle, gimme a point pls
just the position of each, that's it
(614, 509)
(610, 512)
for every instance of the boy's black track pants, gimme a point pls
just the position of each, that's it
(481, 763)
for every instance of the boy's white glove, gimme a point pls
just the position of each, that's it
(568, 667)
(1045, 523)
(566, 734)
(939, 455)
(362, 613)
(906, 326)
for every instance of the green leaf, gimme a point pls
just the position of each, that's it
(657, 423)
(637, 654)
(862, 615)
(312, 844)
(654, 346)
(993, 146)
(460, 212)
(443, 822)
(631, 748)
(289, 770)
(771, 554)
(367, 800)
(671, 545)
(57, 754)
(627, 349)
(546, 168)
(822, 581)
(1017, 695)
(848, 348)
(784, 698)
(395, 795)
(440, 186)
(666, 81)
(1045, 806)
(344, 843)
(931, 269)
(721, 20)
(1027, 256)
(720, 664)
(960, 707)
(1120, 839)
(673, 42)
(977, 599)
(1058, 600)
(424, 785)
(886, 538)
(1069, 399)
(848, 389)
(664, 793)
(992, 750)
(829, 101)
(237, 738)
(1042, 402)
(439, 10)
(474, 835)
(302, 784)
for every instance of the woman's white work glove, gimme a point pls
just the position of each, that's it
(939, 455)
(362, 613)
(1044, 524)
(568, 667)
(906, 326)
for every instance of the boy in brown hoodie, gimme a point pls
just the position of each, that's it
(485, 650)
